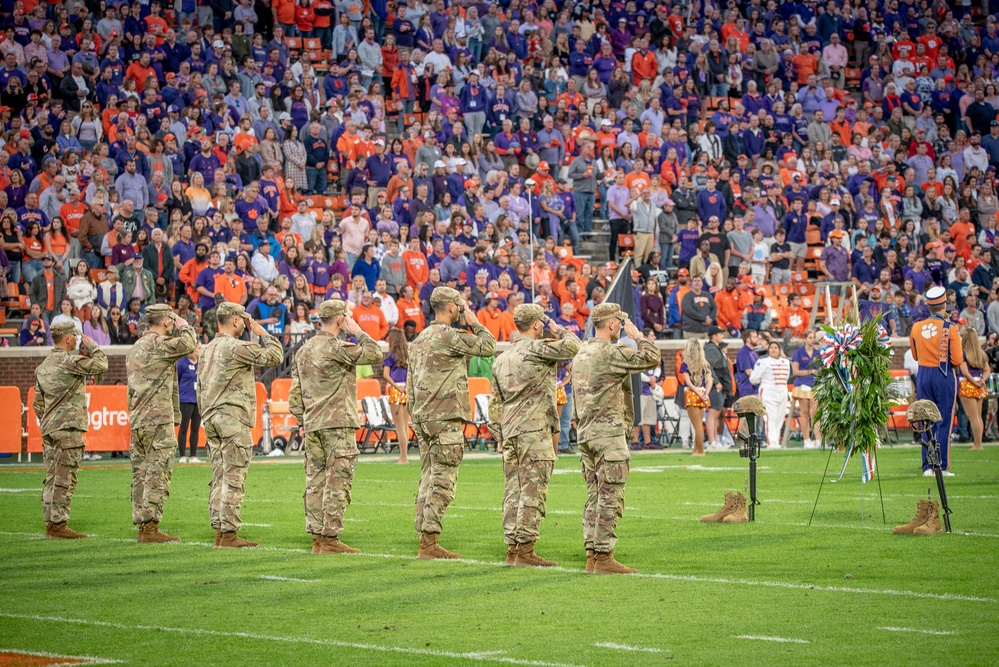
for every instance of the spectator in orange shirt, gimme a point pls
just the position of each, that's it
(729, 308)
(806, 64)
(577, 297)
(416, 264)
(370, 317)
(140, 71)
(494, 319)
(230, 284)
(793, 320)
(644, 66)
(410, 309)
(188, 274)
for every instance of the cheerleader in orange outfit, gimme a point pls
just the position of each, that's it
(395, 370)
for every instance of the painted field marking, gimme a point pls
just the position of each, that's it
(274, 577)
(20, 490)
(257, 525)
(782, 640)
(64, 660)
(641, 575)
(626, 647)
(488, 656)
(921, 631)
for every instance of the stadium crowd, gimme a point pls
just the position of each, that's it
(277, 154)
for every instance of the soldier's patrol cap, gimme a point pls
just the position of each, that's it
(606, 311)
(229, 309)
(528, 312)
(444, 295)
(159, 309)
(936, 296)
(331, 308)
(64, 329)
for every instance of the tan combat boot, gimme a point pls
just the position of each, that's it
(150, 532)
(932, 524)
(527, 558)
(604, 563)
(922, 509)
(738, 514)
(726, 509)
(234, 541)
(60, 531)
(333, 545)
(511, 554)
(430, 549)
(317, 543)
(589, 560)
(218, 536)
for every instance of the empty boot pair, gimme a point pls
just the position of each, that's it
(926, 521)
(733, 511)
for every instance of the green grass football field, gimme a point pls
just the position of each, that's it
(777, 592)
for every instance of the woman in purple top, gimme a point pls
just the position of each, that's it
(804, 379)
(96, 327)
(395, 370)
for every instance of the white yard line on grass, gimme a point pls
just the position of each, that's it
(626, 647)
(274, 577)
(257, 525)
(782, 640)
(480, 656)
(921, 631)
(20, 490)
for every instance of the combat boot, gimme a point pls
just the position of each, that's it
(604, 563)
(726, 509)
(333, 545)
(738, 514)
(430, 549)
(218, 536)
(922, 509)
(589, 560)
(317, 543)
(511, 554)
(932, 524)
(234, 541)
(60, 531)
(527, 558)
(149, 532)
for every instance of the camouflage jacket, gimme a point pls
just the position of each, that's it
(225, 375)
(153, 397)
(438, 378)
(601, 386)
(60, 389)
(523, 398)
(324, 380)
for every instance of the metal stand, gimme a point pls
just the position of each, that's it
(933, 457)
(751, 450)
(824, 472)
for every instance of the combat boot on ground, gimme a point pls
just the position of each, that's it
(430, 548)
(738, 513)
(932, 524)
(527, 558)
(333, 545)
(604, 563)
(234, 541)
(589, 560)
(60, 531)
(149, 532)
(511, 554)
(317, 543)
(218, 536)
(922, 509)
(726, 509)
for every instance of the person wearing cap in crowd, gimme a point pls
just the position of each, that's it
(60, 405)
(152, 413)
(935, 344)
(438, 400)
(525, 418)
(226, 399)
(324, 382)
(604, 411)
(138, 280)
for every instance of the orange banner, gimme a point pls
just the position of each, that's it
(10, 417)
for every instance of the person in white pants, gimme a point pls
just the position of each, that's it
(770, 374)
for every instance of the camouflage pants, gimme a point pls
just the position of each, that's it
(606, 463)
(330, 461)
(442, 446)
(230, 448)
(151, 452)
(63, 452)
(528, 460)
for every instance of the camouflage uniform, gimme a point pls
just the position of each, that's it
(153, 407)
(605, 416)
(227, 399)
(323, 399)
(524, 415)
(61, 407)
(437, 396)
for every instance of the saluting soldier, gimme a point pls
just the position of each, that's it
(605, 415)
(227, 400)
(525, 416)
(61, 408)
(153, 410)
(323, 399)
(439, 403)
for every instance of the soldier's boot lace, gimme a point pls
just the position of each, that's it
(932, 524)
(333, 545)
(317, 543)
(150, 532)
(737, 515)
(527, 558)
(430, 549)
(60, 531)
(922, 509)
(719, 515)
(234, 541)
(604, 563)
(589, 560)
(511, 554)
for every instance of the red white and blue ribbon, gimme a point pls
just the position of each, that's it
(884, 340)
(836, 346)
(867, 467)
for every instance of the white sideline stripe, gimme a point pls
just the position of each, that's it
(657, 469)
(274, 577)
(645, 575)
(90, 660)
(20, 490)
(765, 638)
(625, 647)
(257, 525)
(918, 630)
(488, 656)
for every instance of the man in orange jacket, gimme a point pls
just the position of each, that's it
(729, 310)
(188, 274)
(409, 308)
(415, 262)
(370, 317)
(494, 319)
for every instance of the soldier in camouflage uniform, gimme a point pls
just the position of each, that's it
(605, 415)
(61, 408)
(227, 399)
(524, 416)
(439, 403)
(323, 399)
(154, 409)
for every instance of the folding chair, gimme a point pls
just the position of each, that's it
(378, 422)
(667, 412)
